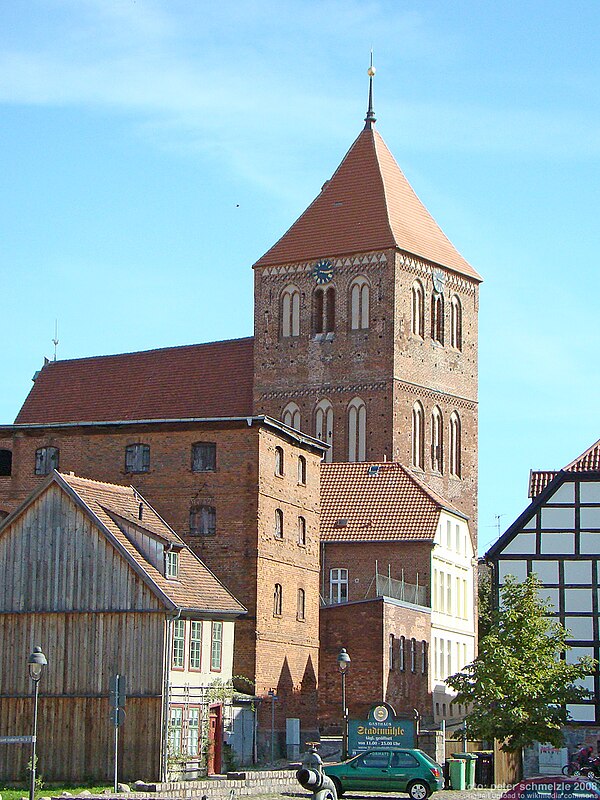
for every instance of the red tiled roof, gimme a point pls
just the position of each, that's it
(197, 588)
(392, 505)
(200, 380)
(367, 205)
(588, 461)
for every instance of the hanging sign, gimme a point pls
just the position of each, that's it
(382, 728)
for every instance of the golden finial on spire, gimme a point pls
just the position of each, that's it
(370, 118)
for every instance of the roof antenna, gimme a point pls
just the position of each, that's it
(370, 118)
(55, 340)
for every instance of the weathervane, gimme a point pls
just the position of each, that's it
(370, 118)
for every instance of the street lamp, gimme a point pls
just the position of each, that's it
(343, 661)
(36, 663)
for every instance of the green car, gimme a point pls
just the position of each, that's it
(393, 770)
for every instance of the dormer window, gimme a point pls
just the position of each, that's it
(171, 564)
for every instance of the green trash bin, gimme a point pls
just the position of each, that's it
(457, 773)
(468, 759)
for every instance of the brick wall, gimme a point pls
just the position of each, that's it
(363, 628)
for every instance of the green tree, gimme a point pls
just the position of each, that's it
(484, 602)
(518, 685)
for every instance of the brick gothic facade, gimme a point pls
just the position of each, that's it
(373, 348)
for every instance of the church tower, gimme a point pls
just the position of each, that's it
(366, 326)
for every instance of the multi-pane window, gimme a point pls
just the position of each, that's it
(193, 743)
(137, 457)
(418, 309)
(324, 426)
(301, 605)
(5, 462)
(46, 459)
(402, 654)
(216, 646)
(423, 657)
(455, 465)
(278, 523)
(357, 430)
(291, 416)
(301, 531)
(302, 470)
(290, 311)
(418, 436)
(324, 310)
(359, 304)
(203, 520)
(279, 461)
(175, 729)
(171, 564)
(437, 441)
(413, 655)
(456, 323)
(437, 318)
(277, 600)
(178, 654)
(204, 457)
(195, 645)
(338, 585)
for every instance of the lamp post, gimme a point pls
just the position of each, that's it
(36, 663)
(343, 661)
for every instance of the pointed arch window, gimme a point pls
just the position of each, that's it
(277, 600)
(324, 426)
(279, 462)
(455, 445)
(359, 303)
(278, 523)
(418, 309)
(324, 310)
(291, 416)
(418, 436)
(290, 311)
(437, 318)
(456, 323)
(437, 441)
(357, 430)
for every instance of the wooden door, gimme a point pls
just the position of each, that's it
(215, 739)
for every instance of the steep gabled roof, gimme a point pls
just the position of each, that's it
(380, 502)
(195, 589)
(367, 205)
(588, 461)
(200, 380)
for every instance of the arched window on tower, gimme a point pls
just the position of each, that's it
(324, 310)
(290, 311)
(437, 317)
(418, 309)
(359, 304)
(456, 323)
(455, 447)
(437, 441)
(291, 416)
(357, 430)
(324, 426)
(418, 436)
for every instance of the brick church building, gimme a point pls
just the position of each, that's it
(364, 350)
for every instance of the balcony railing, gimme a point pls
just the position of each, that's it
(384, 586)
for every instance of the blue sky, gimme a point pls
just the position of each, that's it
(152, 150)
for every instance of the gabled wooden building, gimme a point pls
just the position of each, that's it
(91, 573)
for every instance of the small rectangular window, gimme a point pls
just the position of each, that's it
(216, 646)
(338, 586)
(301, 531)
(175, 729)
(279, 461)
(278, 523)
(301, 605)
(137, 458)
(193, 731)
(195, 645)
(302, 470)
(204, 457)
(402, 654)
(203, 521)
(178, 654)
(391, 652)
(277, 600)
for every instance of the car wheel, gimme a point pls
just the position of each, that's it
(338, 787)
(419, 790)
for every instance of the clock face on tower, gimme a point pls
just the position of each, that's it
(323, 271)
